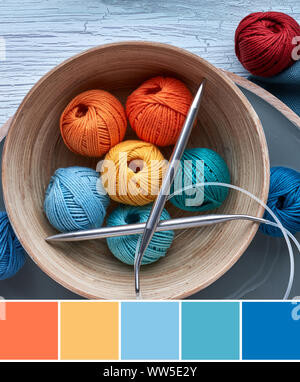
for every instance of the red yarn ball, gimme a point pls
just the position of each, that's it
(263, 42)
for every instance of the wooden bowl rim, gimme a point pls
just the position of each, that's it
(258, 130)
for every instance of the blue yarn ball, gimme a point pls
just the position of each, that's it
(12, 255)
(215, 170)
(284, 200)
(75, 199)
(124, 247)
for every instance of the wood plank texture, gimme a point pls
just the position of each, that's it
(39, 34)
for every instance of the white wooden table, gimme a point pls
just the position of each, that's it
(39, 34)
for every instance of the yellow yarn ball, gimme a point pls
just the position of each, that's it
(132, 172)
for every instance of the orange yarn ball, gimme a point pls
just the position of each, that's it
(157, 110)
(92, 123)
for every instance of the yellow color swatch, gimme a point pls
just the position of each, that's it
(89, 330)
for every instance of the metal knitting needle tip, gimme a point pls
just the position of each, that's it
(138, 294)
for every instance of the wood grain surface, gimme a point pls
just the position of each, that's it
(41, 34)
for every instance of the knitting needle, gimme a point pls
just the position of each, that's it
(138, 228)
(168, 179)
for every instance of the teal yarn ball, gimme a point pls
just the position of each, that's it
(12, 255)
(191, 172)
(124, 247)
(75, 199)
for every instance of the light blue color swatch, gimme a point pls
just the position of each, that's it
(271, 330)
(150, 330)
(210, 330)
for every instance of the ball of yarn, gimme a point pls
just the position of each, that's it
(75, 199)
(157, 110)
(92, 123)
(200, 165)
(132, 172)
(12, 256)
(263, 42)
(284, 200)
(124, 247)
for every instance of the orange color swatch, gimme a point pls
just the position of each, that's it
(29, 330)
(89, 330)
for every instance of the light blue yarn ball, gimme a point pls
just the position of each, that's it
(215, 170)
(12, 255)
(75, 199)
(124, 247)
(284, 201)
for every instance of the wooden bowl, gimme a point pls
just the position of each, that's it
(34, 150)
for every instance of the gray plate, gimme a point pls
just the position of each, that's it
(261, 273)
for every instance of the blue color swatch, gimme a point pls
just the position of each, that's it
(210, 330)
(150, 330)
(271, 330)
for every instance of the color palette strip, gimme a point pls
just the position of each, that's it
(138, 330)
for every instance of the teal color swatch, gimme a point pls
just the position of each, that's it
(150, 330)
(210, 330)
